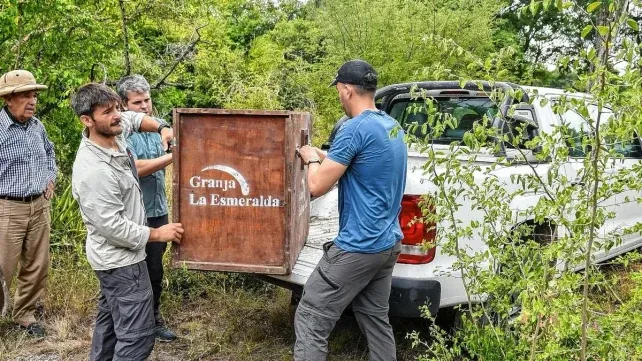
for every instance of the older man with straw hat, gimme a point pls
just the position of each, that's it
(27, 176)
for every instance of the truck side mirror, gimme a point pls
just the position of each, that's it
(520, 127)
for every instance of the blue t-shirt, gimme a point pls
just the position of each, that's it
(150, 146)
(371, 146)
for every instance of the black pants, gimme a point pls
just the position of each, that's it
(125, 322)
(155, 251)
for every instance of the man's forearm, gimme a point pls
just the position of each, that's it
(51, 177)
(149, 124)
(120, 231)
(146, 167)
(154, 235)
(51, 161)
(321, 154)
(52, 169)
(313, 181)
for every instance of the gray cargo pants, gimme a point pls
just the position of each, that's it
(125, 322)
(342, 278)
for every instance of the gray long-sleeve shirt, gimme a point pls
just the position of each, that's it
(110, 200)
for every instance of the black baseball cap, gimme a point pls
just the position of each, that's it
(357, 72)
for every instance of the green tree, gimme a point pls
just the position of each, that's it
(533, 249)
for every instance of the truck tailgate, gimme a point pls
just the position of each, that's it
(322, 229)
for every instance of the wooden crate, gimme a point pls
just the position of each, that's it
(239, 189)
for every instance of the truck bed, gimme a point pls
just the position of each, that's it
(324, 226)
(322, 230)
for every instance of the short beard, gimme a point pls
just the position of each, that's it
(345, 110)
(106, 131)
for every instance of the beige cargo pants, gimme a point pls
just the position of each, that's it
(24, 240)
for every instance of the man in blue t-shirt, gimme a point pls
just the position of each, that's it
(368, 157)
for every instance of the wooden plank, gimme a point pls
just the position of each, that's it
(226, 267)
(290, 197)
(176, 166)
(233, 234)
(257, 112)
(301, 206)
(233, 190)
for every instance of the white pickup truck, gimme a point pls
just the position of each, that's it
(422, 277)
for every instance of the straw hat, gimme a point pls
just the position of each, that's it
(18, 81)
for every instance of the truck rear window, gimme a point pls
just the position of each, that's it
(466, 111)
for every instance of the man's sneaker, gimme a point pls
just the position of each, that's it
(34, 330)
(164, 334)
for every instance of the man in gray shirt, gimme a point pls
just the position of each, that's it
(151, 159)
(105, 184)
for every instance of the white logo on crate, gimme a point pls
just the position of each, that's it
(224, 185)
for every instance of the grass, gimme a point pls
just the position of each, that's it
(218, 316)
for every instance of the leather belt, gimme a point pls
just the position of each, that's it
(26, 199)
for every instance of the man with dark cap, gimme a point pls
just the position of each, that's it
(368, 158)
(27, 176)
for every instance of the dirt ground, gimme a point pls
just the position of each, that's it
(227, 328)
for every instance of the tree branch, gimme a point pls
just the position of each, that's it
(181, 57)
(178, 85)
(20, 37)
(91, 74)
(594, 161)
(128, 66)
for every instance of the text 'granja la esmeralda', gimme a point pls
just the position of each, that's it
(215, 186)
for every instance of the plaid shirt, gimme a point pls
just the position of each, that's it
(27, 159)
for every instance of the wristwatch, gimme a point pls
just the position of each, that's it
(314, 161)
(161, 126)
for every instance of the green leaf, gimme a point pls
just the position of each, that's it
(524, 10)
(564, 61)
(633, 24)
(603, 30)
(593, 6)
(534, 7)
(587, 29)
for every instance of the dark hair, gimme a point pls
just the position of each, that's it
(131, 83)
(92, 95)
(365, 90)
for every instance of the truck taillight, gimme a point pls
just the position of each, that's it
(415, 232)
